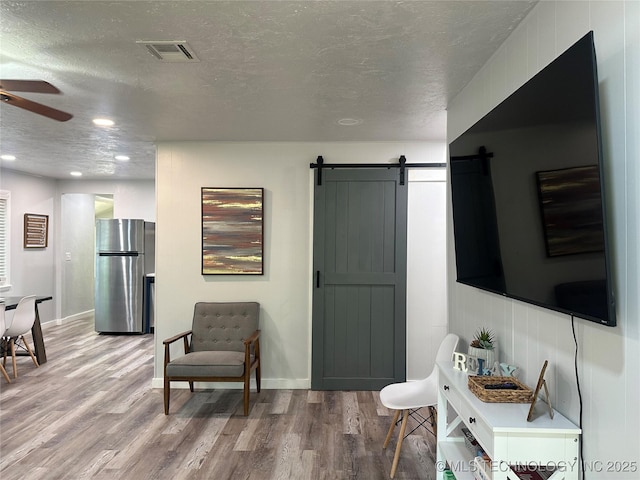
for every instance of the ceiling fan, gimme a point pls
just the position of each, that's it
(36, 86)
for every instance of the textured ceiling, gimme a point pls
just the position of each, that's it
(268, 71)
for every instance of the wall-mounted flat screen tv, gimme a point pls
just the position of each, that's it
(527, 194)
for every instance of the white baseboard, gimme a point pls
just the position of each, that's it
(88, 315)
(266, 383)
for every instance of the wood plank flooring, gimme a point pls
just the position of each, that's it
(90, 413)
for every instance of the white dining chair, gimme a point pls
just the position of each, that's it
(407, 398)
(19, 322)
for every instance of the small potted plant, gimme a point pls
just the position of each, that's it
(484, 345)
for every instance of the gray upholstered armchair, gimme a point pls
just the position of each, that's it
(224, 347)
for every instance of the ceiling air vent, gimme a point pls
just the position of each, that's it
(170, 51)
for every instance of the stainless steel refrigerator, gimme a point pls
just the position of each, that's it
(125, 253)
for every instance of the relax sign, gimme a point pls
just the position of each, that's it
(468, 363)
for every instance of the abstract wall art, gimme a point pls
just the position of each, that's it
(232, 231)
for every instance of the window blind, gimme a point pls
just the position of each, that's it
(4, 237)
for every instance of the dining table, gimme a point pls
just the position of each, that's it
(11, 303)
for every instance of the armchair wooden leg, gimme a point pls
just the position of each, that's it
(391, 428)
(258, 377)
(396, 457)
(246, 396)
(166, 395)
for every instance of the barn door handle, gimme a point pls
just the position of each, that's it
(317, 278)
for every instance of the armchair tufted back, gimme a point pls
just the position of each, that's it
(223, 326)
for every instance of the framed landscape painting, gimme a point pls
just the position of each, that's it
(232, 231)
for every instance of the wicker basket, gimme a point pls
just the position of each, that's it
(521, 395)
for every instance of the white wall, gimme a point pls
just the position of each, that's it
(31, 270)
(609, 358)
(284, 291)
(131, 198)
(426, 269)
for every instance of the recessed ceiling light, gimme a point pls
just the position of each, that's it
(349, 122)
(10, 158)
(76, 174)
(122, 158)
(103, 122)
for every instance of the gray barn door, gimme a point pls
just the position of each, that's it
(359, 294)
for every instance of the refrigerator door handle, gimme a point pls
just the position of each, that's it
(118, 254)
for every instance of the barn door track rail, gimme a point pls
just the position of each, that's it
(402, 165)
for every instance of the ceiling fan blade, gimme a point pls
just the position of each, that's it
(34, 107)
(36, 86)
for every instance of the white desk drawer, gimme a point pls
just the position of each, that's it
(477, 426)
(452, 395)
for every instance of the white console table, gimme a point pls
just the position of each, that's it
(503, 432)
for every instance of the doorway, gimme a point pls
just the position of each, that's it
(78, 218)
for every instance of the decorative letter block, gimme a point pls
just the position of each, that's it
(508, 370)
(459, 361)
(472, 363)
